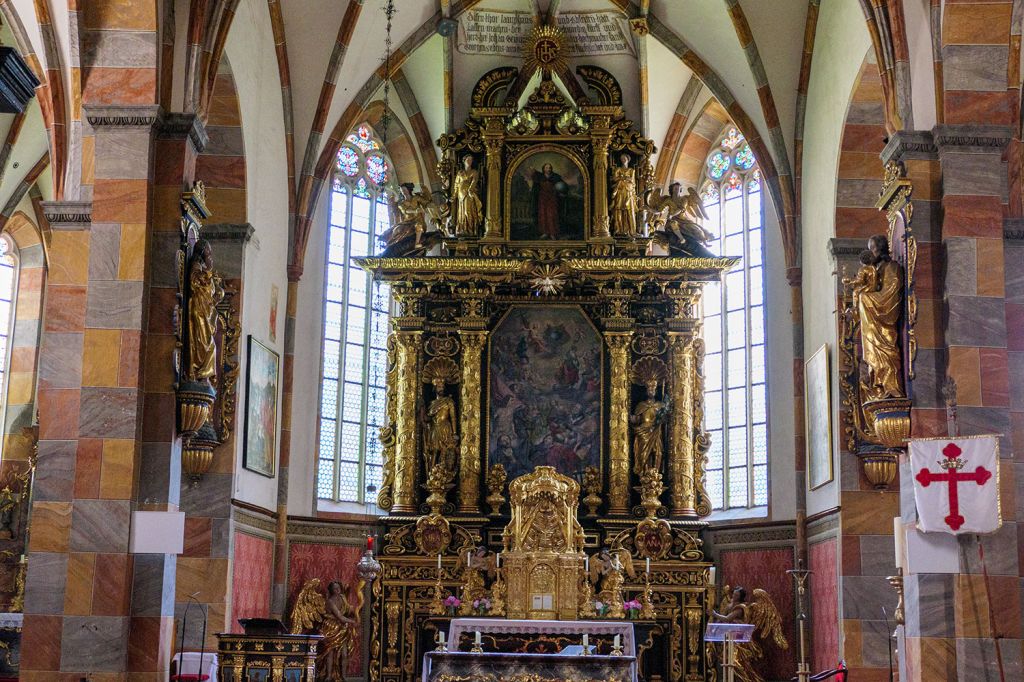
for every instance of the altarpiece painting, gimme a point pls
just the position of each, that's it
(545, 397)
(547, 197)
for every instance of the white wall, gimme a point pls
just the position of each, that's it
(841, 41)
(250, 50)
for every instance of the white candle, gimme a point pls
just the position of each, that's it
(617, 641)
(586, 564)
(476, 638)
(711, 575)
(440, 637)
(898, 540)
(497, 560)
(469, 558)
(439, 562)
(648, 564)
(586, 642)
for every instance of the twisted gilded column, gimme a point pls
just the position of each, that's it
(410, 343)
(618, 424)
(682, 467)
(471, 403)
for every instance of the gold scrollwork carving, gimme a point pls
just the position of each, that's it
(618, 428)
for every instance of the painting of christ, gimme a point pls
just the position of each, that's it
(545, 391)
(547, 199)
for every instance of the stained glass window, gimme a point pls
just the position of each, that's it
(717, 165)
(356, 312)
(348, 161)
(735, 408)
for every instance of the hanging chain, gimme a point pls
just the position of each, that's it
(385, 119)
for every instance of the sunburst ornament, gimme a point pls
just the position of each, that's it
(548, 279)
(545, 49)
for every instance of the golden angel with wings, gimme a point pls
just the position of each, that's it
(411, 214)
(332, 617)
(608, 568)
(766, 619)
(674, 222)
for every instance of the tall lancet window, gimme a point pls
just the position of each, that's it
(355, 323)
(734, 366)
(8, 282)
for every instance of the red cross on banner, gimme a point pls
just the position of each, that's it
(956, 486)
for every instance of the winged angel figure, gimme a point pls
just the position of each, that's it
(333, 618)
(608, 568)
(766, 619)
(674, 221)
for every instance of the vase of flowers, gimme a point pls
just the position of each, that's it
(482, 606)
(632, 607)
(600, 608)
(452, 603)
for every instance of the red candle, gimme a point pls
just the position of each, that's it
(369, 542)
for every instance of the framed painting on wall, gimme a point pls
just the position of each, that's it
(262, 379)
(818, 418)
(546, 193)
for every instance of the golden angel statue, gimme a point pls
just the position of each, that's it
(877, 299)
(441, 436)
(468, 210)
(766, 619)
(206, 290)
(333, 618)
(475, 564)
(409, 215)
(674, 222)
(624, 204)
(608, 568)
(649, 416)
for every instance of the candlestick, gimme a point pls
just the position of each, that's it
(477, 648)
(586, 644)
(648, 564)
(369, 542)
(476, 638)
(617, 646)
(439, 563)
(441, 645)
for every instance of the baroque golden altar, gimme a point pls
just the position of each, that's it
(546, 333)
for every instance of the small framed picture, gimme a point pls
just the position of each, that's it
(818, 418)
(259, 452)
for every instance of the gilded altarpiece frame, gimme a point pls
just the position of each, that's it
(643, 307)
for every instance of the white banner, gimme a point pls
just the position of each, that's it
(504, 33)
(956, 484)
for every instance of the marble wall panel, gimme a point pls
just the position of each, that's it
(94, 644)
(975, 67)
(109, 412)
(100, 525)
(44, 583)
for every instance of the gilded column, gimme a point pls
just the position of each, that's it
(471, 402)
(601, 136)
(410, 343)
(682, 453)
(618, 425)
(494, 135)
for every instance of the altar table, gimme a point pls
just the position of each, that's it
(601, 632)
(444, 666)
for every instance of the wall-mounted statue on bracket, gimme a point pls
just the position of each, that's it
(674, 222)
(206, 290)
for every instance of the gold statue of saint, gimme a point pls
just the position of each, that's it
(624, 199)
(409, 215)
(333, 618)
(674, 222)
(609, 568)
(206, 290)
(468, 213)
(877, 297)
(762, 613)
(649, 417)
(441, 437)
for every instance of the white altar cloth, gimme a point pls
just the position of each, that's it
(460, 626)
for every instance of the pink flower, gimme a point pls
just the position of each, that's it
(632, 605)
(452, 601)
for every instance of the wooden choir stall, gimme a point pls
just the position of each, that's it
(544, 450)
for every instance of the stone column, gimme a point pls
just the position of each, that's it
(682, 469)
(410, 344)
(618, 422)
(471, 404)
